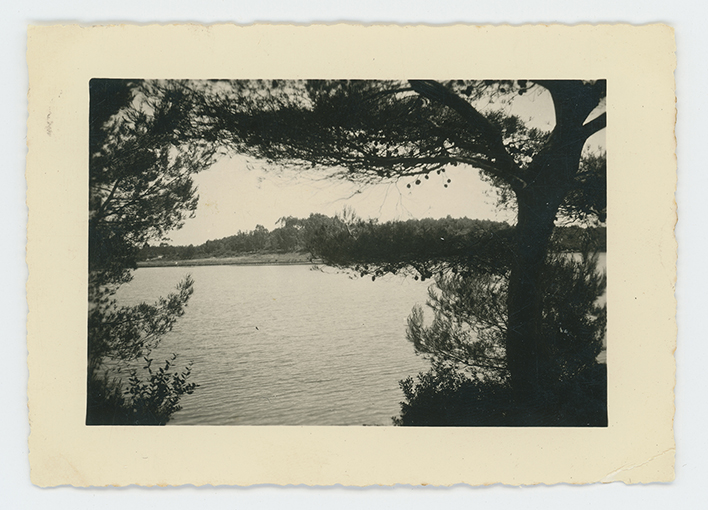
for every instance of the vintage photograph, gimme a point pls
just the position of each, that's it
(356, 255)
(414, 252)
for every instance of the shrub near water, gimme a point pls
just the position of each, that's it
(151, 398)
(468, 383)
(121, 336)
(157, 399)
(445, 397)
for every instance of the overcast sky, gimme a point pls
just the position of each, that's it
(236, 194)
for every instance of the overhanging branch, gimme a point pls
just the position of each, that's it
(595, 125)
(504, 165)
(439, 93)
(434, 162)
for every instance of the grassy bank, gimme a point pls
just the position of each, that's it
(253, 259)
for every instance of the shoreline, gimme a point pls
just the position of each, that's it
(263, 259)
(266, 259)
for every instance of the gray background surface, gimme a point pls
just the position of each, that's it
(686, 16)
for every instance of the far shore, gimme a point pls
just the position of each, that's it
(254, 259)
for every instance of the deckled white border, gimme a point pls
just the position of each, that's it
(638, 63)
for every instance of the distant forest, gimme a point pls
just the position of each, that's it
(318, 235)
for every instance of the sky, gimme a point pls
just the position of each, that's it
(238, 194)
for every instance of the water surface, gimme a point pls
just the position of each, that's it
(287, 345)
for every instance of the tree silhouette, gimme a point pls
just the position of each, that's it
(140, 188)
(373, 130)
(469, 380)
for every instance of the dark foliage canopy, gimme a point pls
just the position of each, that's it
(371, 130)
(144, 149)
(469, 380)
(365, 131)
(140, 188)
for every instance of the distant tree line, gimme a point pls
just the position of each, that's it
(291, 235)
(345, 239)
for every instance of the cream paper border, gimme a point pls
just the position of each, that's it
(638, 445)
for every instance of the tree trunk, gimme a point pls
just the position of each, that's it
(552, 173)
(547, 181)
(527, 355)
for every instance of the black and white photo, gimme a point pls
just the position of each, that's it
(412, 252)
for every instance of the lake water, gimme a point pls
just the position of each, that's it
(288, 345)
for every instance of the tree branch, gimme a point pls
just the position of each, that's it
(102, 207)
(595, 125)
(549, 85)
(434, 91)
(388, 92)
(440, 161)
(573, 101)
(439, 93)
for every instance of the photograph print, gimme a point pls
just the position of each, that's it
(347, 252)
